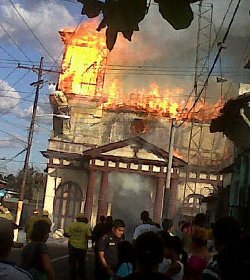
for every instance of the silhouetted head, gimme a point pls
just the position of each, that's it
(40, 231)
(172, 244)
(145, 217)
(102, 218)
(6, 237)
(199, 220)
(109, 220)
(125, 252)
(234, 260)
(80, 217)
(167, 224)
(148, 251)
(226, 230)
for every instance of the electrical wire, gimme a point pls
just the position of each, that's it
(12, 158)
(14, 42)
(8, 75)
(30, 29)
(10, 55)
(214, 62)
(12, 135)
(13, 107)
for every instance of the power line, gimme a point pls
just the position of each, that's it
(13, 107)
(215, 61)
(10, 109)
(16, 44)
(32, 32)
(12, 158)
(223, 20)
(11, 72)
(10, 55)
(12, 135)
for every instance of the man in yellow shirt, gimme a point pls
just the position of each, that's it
(45, 217)
(30, 223)
(78, 233)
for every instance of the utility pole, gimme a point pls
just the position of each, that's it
(168, 193)
(39, 70)
(28, 150)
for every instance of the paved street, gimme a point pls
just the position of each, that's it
(58, 252)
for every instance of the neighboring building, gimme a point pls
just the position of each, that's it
(234, 122)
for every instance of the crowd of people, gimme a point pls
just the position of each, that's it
(156, 251)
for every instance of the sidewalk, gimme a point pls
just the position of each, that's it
(51, 240)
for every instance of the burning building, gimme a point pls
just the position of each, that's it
(111, 156)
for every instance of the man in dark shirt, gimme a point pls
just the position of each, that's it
(98, 231)
(107, 249)
(226, 231)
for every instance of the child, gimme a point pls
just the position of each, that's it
(171, 266)
(126, 259)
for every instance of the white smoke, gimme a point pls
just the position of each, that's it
(9, 97)
(130, 194)
(44, 18)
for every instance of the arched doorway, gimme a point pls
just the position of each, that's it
(192, 204)
(67, 203)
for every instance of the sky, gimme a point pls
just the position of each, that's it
(29, 30)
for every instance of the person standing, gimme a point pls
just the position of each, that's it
(45, 217)
(78, 233)
(107, 249)
(148, 254)
(9, 270)
(30, 223)
(167, 226)
(126, 260)
(35, 257)
(226, 231)
(147, 225)
(98, 231)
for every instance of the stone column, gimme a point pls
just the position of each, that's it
(103, 196)
(172, 210)
(52, 184)
(90, 195)
(159, 198)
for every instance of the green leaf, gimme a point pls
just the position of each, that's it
(178, 12)
(91, 8)
(111, 36)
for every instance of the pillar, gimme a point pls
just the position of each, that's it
(90, 195)
(172, 210)
(103, 196)
(159, 197)
(52, 184)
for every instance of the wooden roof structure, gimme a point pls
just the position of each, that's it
(105, 152)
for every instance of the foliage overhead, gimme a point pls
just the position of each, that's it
(125, 15)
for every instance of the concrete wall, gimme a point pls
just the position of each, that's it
(91, 126)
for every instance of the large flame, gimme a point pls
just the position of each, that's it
(84, 56)
(151, 100)
(83, 69)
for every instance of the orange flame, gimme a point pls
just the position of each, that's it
(83, 71)
(150, 101)
(85, 50)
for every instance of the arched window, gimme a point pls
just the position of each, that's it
(67, 203)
